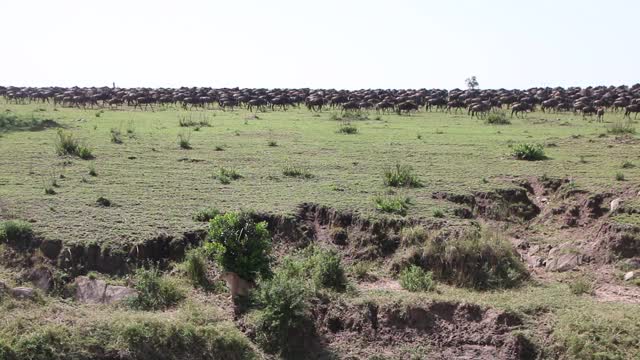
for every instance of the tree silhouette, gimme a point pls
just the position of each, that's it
(472, 82)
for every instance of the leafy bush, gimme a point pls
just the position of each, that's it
(479, 259)
(16, 232)
(393, 205)
(294, 171)
(347, 128)
(195, 264)
(206, 214)
(240, 245)
(619, 176)
(497, 118)
(401, 176)
(621, 127)
(530, 152)
(154, 291)
(283, 316)
(414, 279)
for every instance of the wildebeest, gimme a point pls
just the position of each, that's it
(523, 108)
(633, 108)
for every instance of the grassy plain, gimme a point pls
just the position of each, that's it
(155, 185)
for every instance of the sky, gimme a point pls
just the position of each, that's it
(345, 44)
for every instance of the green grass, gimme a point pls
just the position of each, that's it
(529, 152)
(414, 278)
(456, 160)
(392, 204)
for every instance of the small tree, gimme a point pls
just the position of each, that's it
(472, 83)
(240, 245)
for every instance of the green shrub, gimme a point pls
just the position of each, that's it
(206, 214)
(621, 127)
(321, 268)
(619, 176)
(294, 171)
(414, 279)
(66, 143)
(195, 263)
(227, 175)
(401, 176)
(184, 140)
(497, 118)
(116, 136)
(240, 245)
(628, 165)
(437, 213)
(16, 232)
(92, 170)
(581, 286)
(479, 259)
(392, 205)
(283, 317)
(414, 235)
(361, 270)
(155, 292)
(529, 152)
(103, 201)
(347, 128)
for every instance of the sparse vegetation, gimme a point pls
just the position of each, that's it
(103, 201)
(206, 214)
(195, 264)
(67, 144)
(529, 152)
(392, 205)
(620, 176)
(414, 279)
(627, 165)
(295, 171)
(347, 128)
(480, 259)
(155, 292)
(184, 140)
(116, 136)
(621, 127)
(581, 286)
(272, 143)
(497, 118)
(401, 176)
(227, 175)
(16, 232)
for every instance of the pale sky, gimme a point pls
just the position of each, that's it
(319, 44)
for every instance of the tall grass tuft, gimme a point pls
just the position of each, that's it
(401, 176)
(529, 152)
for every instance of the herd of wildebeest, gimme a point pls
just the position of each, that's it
(587, 101)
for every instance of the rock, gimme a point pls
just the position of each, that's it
(23, 293)
(615, 204)
(42, 278)
(89, 291)
(629, 276)
(564, 262)
(94, 291)
(534, 261)
(113, 293)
